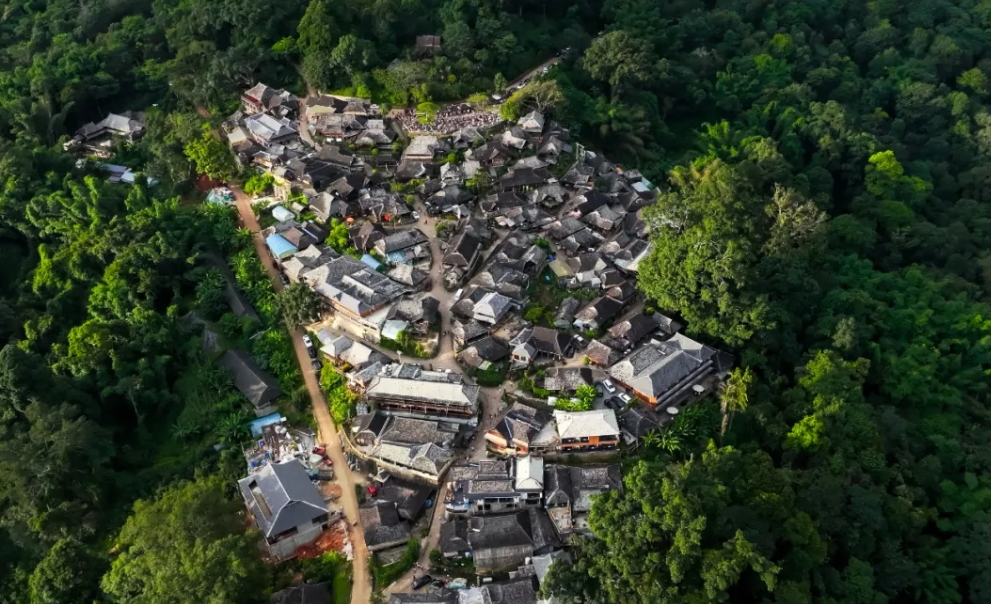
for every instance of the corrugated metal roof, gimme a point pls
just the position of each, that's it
(279, 246)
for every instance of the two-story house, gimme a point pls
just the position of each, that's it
(286, 507)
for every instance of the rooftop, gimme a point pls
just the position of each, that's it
(581, 424)
(657, 366)
(460, 395)
(281, 497)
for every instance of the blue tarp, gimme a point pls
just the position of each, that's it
(371, 262)
(279, 246)
(257, 425)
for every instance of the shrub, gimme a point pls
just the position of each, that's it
(258, 184)
(386, 574)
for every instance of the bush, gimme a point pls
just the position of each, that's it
(210, 298)
(385, 575)
(493, 376)
(571, 404)
(340, 399)
(259, 183)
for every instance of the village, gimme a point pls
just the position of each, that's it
(477, 286)
(486, 313)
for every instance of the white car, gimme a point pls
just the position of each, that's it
(307, 341)
(415, 215)
(625, 397)
(608, 386)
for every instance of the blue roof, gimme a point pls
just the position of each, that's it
(279, 246)
(370, 260)
(280, 213)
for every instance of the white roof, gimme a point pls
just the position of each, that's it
(529, 473)
(418, 390)
(580, 424)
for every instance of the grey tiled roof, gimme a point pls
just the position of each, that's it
(381, 523)
(307, 593)
(281, 497)
(657, 366)
(256, 384)
(351, 284)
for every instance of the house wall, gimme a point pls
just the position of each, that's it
(284, 548)
(386, 545)
(355, 327)
(511, 504)
(500, 558)
(414, 476)
(593, 443)
(423, 408)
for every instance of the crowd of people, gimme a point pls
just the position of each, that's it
(447, 120)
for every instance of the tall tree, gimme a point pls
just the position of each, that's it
(185, 547)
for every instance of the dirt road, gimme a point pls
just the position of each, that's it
(491, 397)
(362, 588)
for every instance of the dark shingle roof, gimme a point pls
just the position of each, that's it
(256, 384)
(462, 250)
(381, 523)
(317, 593)
(281, 497)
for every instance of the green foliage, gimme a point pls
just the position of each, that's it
(210, 299)
(331, 567)
(68, 574)
(572, 404)
(543, 96)
(296, 305)
(258, 184)
(405, 344)
(384, 575)
(494, 376)
(211, 157)
(341, 400)
(585, 394)
(187, 545)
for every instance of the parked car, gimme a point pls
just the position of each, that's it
(608, 385)
(614, 403)
(316, 364)
(625, 398)
(422, 580)
(415, 215)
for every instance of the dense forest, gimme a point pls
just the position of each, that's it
(823, 168)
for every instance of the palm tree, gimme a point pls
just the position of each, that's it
(734, 396)
(669, 441)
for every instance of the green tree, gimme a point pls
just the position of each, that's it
(211, 157)
(734, 395)
(621, 59)
(68, 574)
(258, 183)
(586, 394)
(319, 32)
(187, 546)
(297, 305)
